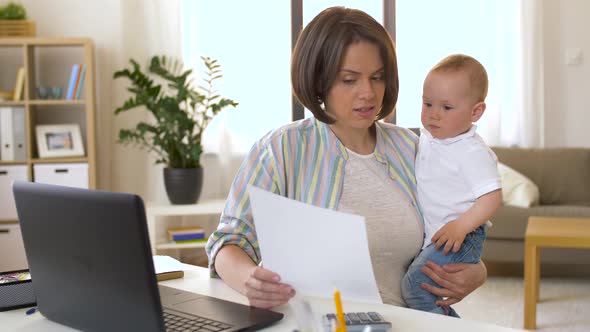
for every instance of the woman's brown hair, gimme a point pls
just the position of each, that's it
(320, 48)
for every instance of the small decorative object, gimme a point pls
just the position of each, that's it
(181, 112)
(16, 290)
(56, 92)
(42, 92)
(63, 140)
(13, 21)
(6, 95)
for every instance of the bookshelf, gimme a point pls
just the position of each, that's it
(155, 210)
(48, 61)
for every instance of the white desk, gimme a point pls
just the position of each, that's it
(198, 281)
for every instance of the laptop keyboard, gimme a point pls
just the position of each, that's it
(175, 321)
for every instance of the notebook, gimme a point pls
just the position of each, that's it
(91, 265)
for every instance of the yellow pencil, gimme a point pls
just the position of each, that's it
(339, 313)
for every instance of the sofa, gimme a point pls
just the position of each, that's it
(562, 176)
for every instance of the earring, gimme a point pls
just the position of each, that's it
(321, 103)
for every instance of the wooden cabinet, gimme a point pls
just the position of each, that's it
(48, 63)
(12, 251)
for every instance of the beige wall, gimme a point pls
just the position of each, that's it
(567, 87)
(100, 21)
(567, 107)
(118, 31)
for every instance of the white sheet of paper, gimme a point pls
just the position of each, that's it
(314, 249)
(168, 264)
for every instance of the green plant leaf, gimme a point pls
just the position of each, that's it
(13, 11)
(181, 109)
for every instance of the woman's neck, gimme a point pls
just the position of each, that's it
(361, 140)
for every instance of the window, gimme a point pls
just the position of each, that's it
(313, 7)
(489, 30)
(254, 49)
(250, 39)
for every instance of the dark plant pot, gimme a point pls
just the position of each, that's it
(183, 185)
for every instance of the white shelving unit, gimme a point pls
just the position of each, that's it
(156, 210)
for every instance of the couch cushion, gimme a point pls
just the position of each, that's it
(510, 222)
(517, 189)
(562, 174)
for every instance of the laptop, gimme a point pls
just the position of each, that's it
(91, 264)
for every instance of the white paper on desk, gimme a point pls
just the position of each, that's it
(164, 264)
(314, 249)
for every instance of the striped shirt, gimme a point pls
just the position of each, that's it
(305, 161)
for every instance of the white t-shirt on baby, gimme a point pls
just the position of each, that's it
(451, 174)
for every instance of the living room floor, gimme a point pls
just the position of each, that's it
(564, 304)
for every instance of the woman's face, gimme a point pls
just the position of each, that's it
(356, 95)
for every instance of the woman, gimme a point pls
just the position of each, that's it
(344, 70)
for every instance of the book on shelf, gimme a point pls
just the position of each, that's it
(80, 83)
(185, 234)
(19, 85)
(186, 237)
(203, 240)
(72, 84)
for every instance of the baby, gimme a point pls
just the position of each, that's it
(458, 183)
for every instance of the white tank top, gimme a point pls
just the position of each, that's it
(393, 232)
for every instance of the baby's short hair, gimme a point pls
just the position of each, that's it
(478, 76)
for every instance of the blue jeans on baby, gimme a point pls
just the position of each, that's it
(418, 298)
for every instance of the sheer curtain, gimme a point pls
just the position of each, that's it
(516, 104)
(533, 113)
(148, 27)
(504, 35)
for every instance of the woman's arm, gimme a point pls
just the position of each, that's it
(262, 287)
(457, 279)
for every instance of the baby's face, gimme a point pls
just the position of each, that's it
(447, 104)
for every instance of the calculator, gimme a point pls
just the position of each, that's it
(356, 321)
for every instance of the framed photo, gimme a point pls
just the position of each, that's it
(62, 140)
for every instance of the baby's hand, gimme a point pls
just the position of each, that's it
(453, 234)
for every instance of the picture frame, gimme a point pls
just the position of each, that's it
(61, 140)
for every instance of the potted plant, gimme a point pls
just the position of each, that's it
(13, 21)
(13, 11)
(181, 111)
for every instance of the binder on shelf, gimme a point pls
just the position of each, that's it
(19, 85)
(12, 134)
(80, 82)
(73, 78)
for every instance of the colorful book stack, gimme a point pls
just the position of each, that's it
(76, 81)
(186, 235)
